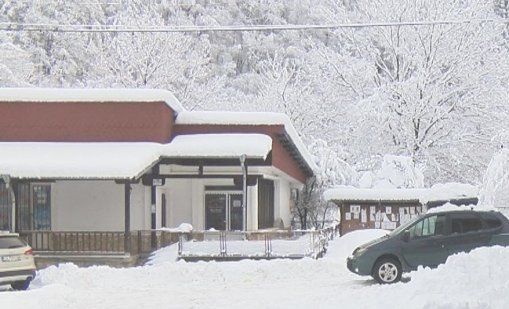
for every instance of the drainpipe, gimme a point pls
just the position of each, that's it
(244, 189)
(153, 209)
(7, 181)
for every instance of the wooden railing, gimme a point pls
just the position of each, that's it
(84, 242)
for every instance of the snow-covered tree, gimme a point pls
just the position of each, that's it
(430, 85)
(493, 193)
(311, 210)
(16, 69)
(60, 59)
(395, 172)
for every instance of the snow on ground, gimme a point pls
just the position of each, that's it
(478, 280)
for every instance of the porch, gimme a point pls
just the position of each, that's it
(87, 248)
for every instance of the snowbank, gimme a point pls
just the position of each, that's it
(478, 280)
(164, 255)
(344, 246)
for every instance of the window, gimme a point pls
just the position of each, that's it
(5, 208)
(429, 226)
(465, 223)
(34, 202)
(492, 222)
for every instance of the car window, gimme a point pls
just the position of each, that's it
(404, 226)
(492, 222)
(11, 242)
(429, 226)
(465, 224)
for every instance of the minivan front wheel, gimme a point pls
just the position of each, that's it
(387, 270)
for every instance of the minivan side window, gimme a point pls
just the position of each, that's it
(465, 224)
(430, 226)
(491, 222)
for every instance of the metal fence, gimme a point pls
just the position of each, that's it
(223, 245)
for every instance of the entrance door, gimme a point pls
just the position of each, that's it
(215, 211)
(223, 211)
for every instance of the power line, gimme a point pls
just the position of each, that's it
(25, 27)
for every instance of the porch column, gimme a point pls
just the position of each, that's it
(243, 165)
(127, 217)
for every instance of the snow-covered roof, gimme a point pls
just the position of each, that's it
(89, 95)
(247, 118)
(120, 160)
(76, 160)
(256, 146)
(438, 192)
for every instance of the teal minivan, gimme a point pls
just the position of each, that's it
(427, 241)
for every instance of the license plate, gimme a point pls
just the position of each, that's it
(11, 258)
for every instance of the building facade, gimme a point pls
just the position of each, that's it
(127, 160)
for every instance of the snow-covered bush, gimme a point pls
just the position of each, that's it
(396, 172)
(495, 187)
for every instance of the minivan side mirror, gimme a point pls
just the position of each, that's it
(406, 236)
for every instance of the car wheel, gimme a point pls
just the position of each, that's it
(387, 270)
(21, 285)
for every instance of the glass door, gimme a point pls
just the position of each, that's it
(215, 211)
(223, 211)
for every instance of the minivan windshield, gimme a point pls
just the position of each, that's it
(404, 226)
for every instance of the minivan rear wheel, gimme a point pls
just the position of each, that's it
(20, 285)
(387, 270)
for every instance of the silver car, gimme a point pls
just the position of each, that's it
(17, 265)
